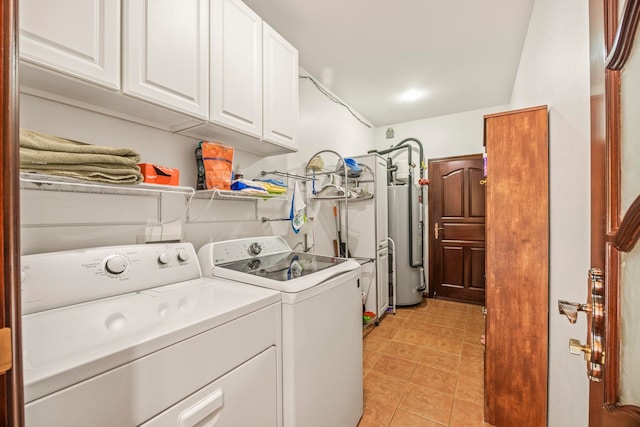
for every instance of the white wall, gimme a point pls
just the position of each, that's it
(60, 221)
(554, 70)
(444, 136)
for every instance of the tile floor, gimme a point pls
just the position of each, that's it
(424, 367)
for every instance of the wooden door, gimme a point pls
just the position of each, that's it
(11, 396)
(517, 268)
(614, 395)
(456, 229)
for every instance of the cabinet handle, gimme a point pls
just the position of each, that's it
(202, 409)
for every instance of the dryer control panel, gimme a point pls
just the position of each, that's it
(58, 279)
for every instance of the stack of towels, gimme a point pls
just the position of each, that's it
(259, 187)
(50, 155)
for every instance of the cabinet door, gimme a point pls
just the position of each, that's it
(166, 61)
(517, 267)
(382, 280)
(382, 224)
(280, 75)
(76, 37)
(236, 67)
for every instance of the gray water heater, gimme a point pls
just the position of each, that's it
(408, 278)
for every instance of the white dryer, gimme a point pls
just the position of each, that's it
(133, 335)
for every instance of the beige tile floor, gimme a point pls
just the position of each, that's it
(424, 367)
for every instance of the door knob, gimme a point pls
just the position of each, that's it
(594, 350)
(571, 309)
(436, 230)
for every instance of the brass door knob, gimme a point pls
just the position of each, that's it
(571, 309)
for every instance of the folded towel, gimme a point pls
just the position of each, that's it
(51, 155)
(41, 142)
(242, 184)
(273, 181)
(274, 189)
(40, 149)
(29, 156)
(93, 173)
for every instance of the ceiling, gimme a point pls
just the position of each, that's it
(455, 55)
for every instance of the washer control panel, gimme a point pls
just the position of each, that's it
(57, 279)
(241, 249)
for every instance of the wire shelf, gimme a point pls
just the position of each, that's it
(42, 182)
(236, 195)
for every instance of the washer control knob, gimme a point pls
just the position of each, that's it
(183, 255)
(255, 248)
(163, 258)
(116, 264)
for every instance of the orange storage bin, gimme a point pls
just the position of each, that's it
(154, 174)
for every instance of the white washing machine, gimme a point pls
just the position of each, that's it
(321, 321)
(133, 335)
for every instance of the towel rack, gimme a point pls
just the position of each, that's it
(287, 175)
(265, 219)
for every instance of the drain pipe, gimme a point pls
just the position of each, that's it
(401, 145)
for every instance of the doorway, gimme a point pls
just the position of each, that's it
(457, 229)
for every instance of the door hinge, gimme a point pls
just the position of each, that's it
(6, 357)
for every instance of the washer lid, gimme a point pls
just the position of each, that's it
(284, 267)
(288, 272)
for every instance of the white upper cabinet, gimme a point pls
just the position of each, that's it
(166, 53)
(236, 67)
(254, 76)
(280, 95)
(79, 38)
(208, 69)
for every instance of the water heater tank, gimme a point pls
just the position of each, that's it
(408, 279)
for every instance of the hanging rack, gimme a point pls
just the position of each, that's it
(308, 170)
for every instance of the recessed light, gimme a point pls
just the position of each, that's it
(412, 95)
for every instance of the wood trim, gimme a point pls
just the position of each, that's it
(621, 233)
(506, 113)
(13, 400)
(625, 36)
(610, 23)
(628, 233)
(613, 129)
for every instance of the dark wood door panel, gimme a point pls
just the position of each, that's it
(456, 231)
(453, 194)
(477, 269)
(456, 228)
(476, 194)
